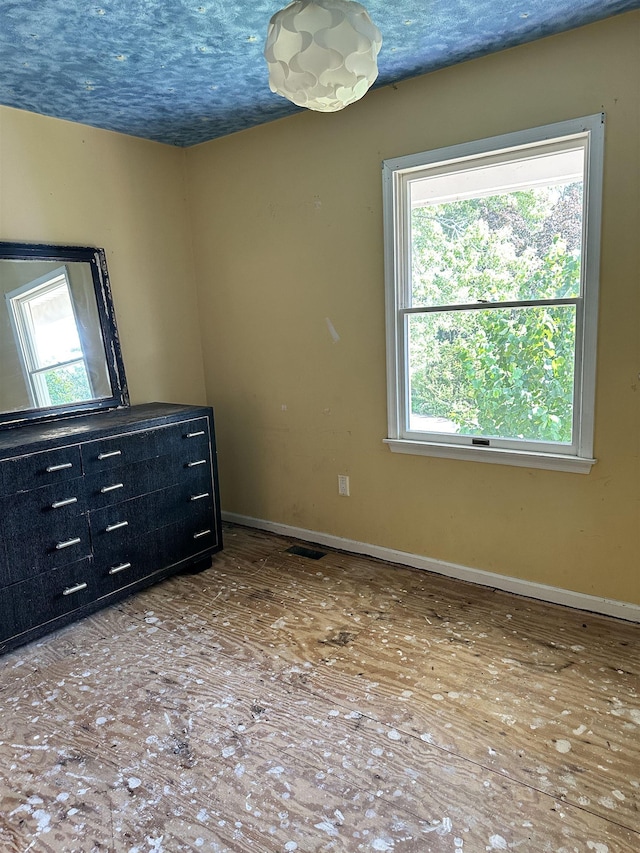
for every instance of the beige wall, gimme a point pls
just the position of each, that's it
(66, 183)
(288, 231)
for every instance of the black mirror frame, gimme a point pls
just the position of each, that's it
(113, 354)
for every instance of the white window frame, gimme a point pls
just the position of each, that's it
(396, 176)
(17, 301)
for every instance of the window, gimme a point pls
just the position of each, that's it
(46, 331)
(492, 257)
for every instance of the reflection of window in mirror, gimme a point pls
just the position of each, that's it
(49, 346)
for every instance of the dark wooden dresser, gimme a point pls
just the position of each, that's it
(98, 506)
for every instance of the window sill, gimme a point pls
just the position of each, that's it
(499, 456)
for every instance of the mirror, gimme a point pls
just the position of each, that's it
(59, 348)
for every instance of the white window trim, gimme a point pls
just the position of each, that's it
(580, 459)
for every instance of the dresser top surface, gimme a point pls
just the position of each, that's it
(31, 438)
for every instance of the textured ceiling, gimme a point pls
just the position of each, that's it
(185, 71)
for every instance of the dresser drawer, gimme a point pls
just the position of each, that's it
(42, 598)
(192, 536)
(43, 506)
(195, 491)
(190, 437)
(107, 453)
(132, 560)
(116, 485)
(39, 469)
(32, 550)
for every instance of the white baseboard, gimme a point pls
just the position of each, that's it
(540, 591)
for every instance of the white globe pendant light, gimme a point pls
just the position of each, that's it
(322, 54)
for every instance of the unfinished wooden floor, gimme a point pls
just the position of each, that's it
(278, 703)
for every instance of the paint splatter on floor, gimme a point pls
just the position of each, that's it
(264, 705)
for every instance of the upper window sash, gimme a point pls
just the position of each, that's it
(560, 163)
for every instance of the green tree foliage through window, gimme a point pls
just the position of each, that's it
(496, 371)
(68, 384)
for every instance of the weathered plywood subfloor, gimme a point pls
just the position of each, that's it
(276, 703)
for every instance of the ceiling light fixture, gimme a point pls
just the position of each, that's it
(322, 53)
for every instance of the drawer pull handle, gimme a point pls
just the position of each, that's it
(109, 454)
(71, 589)
(199, 497)
(68, 543)
(195, 434)
(197, 462)
(111, 527)
(114, 570)
(66, 502)
(105, 489)
(201, 533)
(51, 468)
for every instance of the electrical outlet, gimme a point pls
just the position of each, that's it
(343, 485)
